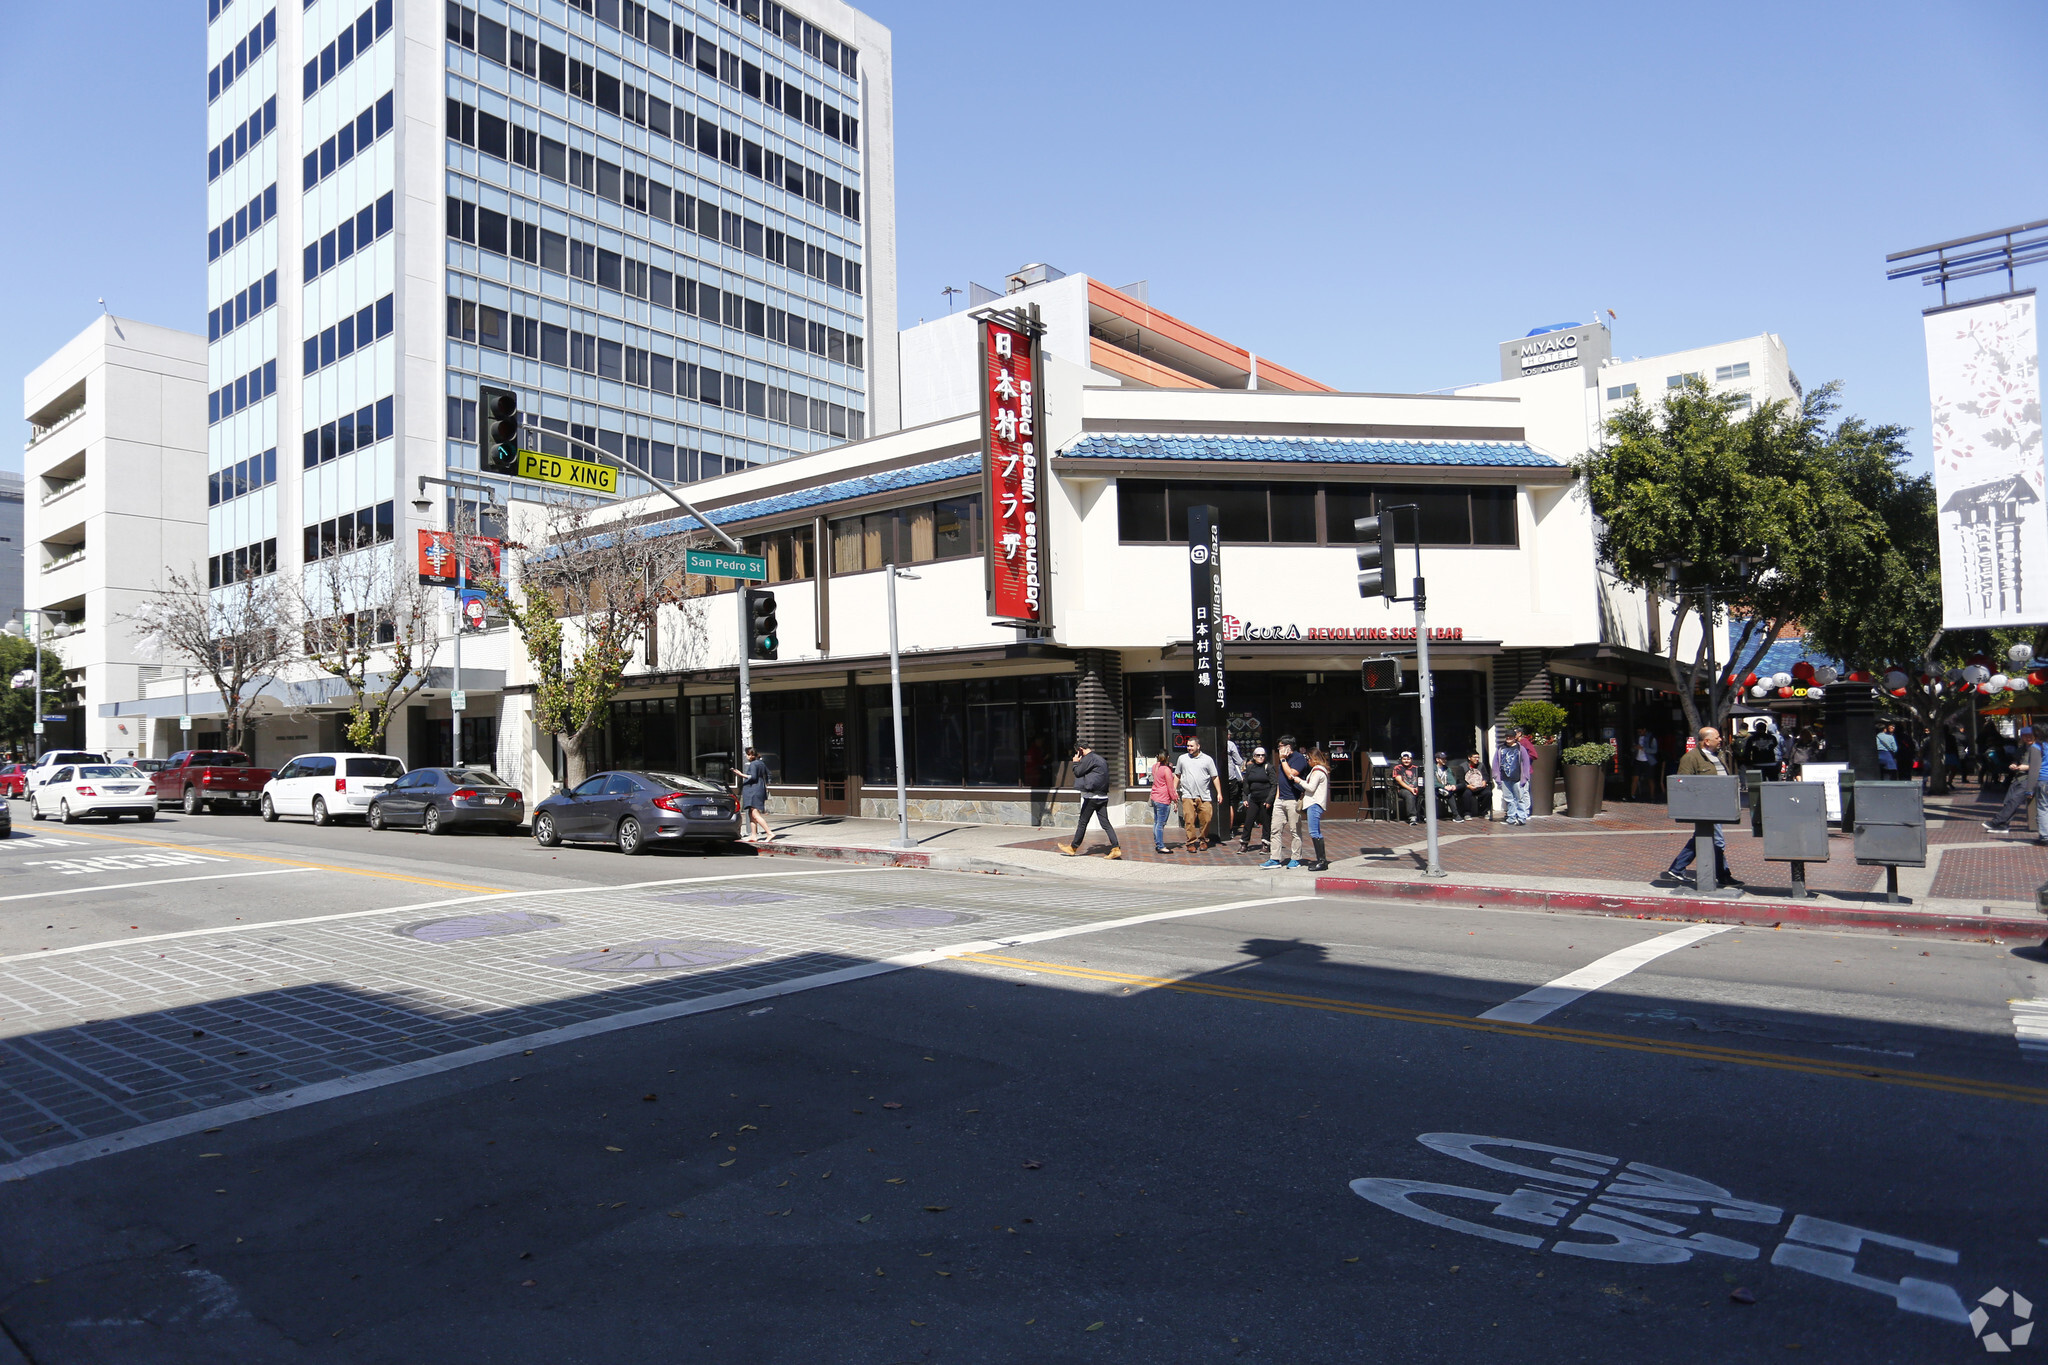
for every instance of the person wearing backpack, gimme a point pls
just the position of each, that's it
(1511, 767)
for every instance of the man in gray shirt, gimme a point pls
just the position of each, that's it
(1200, 790)
(2022, 784)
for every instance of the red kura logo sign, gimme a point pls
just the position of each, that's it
(1235, 628)
(1016, 587)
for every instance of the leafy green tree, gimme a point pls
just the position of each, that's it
(17, 704)
(1754, 514)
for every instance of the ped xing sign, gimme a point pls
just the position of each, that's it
(721, 564)
(595, 478)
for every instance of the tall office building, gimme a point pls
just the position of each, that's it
(668, 226)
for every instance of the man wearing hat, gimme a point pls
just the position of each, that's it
(1407, 780)
(2022, 788)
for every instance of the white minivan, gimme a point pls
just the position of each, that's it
(328, 786)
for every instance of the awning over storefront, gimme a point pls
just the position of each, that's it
(271, 696)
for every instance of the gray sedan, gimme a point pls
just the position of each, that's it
(438, 800)
(636, 811)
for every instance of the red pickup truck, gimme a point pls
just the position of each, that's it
(201, 779)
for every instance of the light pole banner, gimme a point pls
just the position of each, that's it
(1984, 386)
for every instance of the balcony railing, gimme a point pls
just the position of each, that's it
(65, 560)
(63, 490)
(40, 434)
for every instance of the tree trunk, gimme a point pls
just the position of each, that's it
(576, 757)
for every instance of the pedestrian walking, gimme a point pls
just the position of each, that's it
(754, 795)
(1407, 779)
(2024, 773)
(1315, 796)
(1290, 773)
(1707, 758)
(1475, 793)
(1511, 768)
(1760, 751)
(1643, 786)
(1200, 791)
(1091, 784)
(1888, 752)
(1162, 801)
(1258, 800)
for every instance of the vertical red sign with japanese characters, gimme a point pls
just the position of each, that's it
(1012, 471)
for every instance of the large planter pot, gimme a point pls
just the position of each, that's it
(1585, 786)
(1543, 780)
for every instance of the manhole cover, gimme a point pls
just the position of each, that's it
(736, 896)
(491, 924)
(904, 917)
(654, 955)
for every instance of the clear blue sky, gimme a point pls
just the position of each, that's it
(1374, 194)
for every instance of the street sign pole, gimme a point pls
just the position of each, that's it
(896, 707)
(461, 582)
(1425, 687)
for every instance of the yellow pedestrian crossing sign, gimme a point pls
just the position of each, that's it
(594, 478)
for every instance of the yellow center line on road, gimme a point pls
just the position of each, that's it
(211, 851)
(1923, 1080)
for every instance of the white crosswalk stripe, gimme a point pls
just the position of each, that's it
(2030, 1023)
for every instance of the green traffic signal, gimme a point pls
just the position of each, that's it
(762, 640)
(500, 412)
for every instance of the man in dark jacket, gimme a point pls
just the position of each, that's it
(1760, 751)
(2020, 789)
(1708, 758)
(1091, 782)
(1258, 799)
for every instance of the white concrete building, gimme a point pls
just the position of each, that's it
(667, 226)
(116, 495)
(1517, 608)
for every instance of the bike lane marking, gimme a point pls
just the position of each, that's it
(1924, 1080)
(164, 1130)
(214, 851)
(1531, 1006)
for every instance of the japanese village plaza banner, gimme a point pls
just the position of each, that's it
(1012, 473)
(1984, 387)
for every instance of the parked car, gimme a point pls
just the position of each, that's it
(14, 780)
(39, 771)
(636, 811)
(149, 765)
(6, 820)
(201, 780)
(109, 789)
(438, 800)
(328, 786)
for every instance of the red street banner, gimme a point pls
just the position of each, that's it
(437, 555)
(1011, 466)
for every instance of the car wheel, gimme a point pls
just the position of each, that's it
(431, 821)
(375, 819)
(145, 816)
(64, 811)
(269, 811)
(544, 832)
(193, 806)
(320, 815)
(35, 812)
(632, 840)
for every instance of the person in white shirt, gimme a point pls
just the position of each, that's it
(1200, 790)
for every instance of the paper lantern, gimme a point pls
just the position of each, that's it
(1802, 670)
(2020, 654)
(1749, 681)
(1895, 680)
(1824, 675)
(1781, 679)
(1760, 690)
(1976, 673)
(1996, 684)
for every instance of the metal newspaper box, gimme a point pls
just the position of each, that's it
(1794, 816)
(1891, 829)
(1704, 798)
(1703, 801)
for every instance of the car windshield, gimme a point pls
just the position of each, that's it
(674, 782)
(473, 777)
(109, 770)
(374, 767)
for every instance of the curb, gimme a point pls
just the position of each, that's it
(884, 857)
(1698, 908)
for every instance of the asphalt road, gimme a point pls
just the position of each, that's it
(980, 1119)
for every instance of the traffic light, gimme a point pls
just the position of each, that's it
(762, 641)
(499, 409)
(1380, 675)
(1376, 545)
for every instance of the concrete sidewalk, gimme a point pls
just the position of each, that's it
(1976, 883)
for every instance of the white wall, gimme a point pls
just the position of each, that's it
(941, 358)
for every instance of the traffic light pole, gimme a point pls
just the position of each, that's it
(1425, 691)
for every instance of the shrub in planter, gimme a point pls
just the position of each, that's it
(1588, 754)
(1544, 719)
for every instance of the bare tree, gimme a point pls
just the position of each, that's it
(368, 620)
(236, 635)
(585, 598)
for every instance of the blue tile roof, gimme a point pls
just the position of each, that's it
(824, 494)
(1307, 450)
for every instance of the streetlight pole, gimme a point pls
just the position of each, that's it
(1425, 686)
(902, 839)
(39, 683)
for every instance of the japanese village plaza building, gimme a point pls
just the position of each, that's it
(1516, 601)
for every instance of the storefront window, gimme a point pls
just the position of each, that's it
(1153, 512)
(982, 732)
(791, 554)
(945, 529)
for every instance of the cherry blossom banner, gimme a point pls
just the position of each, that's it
(1984, 384)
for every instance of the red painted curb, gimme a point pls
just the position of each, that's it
(1697, 908)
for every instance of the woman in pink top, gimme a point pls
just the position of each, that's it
(1162, 801)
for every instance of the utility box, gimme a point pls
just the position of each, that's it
(1795, 821)
(1891, 825)
(1702, 797)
